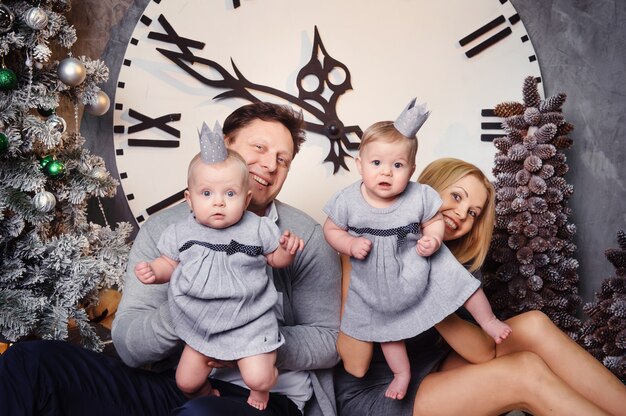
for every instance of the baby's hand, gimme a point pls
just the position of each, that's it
(360, 248)
(427, 245)
(291, 242)
(144, 273)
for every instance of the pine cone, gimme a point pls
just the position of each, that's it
(509, 109)
(553, 103)
(531, 93)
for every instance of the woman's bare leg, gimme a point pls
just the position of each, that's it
(398, 361)
(515, 381)
(355, 354)
(534, 331)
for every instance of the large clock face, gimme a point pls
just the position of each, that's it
(345, 63)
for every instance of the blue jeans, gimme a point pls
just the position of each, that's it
(58, 378)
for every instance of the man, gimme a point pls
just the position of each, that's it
(56, 378)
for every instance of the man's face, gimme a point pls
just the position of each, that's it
(267, 148)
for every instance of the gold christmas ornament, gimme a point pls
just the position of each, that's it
(98, 172)
(101, 106)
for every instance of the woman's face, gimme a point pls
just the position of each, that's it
(463, 203)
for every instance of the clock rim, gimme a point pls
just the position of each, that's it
(114, 59)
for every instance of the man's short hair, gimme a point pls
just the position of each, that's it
(285, 115)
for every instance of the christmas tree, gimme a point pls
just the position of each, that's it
(604, 334)
(53, 260)
(530, 265)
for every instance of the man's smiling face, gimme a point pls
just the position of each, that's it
(267, 148)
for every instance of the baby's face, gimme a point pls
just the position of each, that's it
(386, 170)
(218, 194)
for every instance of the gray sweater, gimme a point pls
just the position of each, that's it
(311, 288)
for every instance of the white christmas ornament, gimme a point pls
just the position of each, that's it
(36, 18)
(71, 71)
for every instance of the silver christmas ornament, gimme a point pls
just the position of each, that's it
(71, 71)
(56, 123)
(36, 18)
(101, 106)
(44, 201)
(6, 18)
(98, 172)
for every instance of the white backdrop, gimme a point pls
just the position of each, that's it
(394, 50)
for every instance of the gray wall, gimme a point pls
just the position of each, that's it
(580, 45)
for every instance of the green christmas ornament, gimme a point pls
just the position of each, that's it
(8, 79)
(54, 169)
(45, 160)
(4, 142)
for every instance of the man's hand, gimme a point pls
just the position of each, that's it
(215, 363)
(360, 247)
(145, 273)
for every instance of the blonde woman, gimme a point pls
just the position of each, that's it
(538, 368)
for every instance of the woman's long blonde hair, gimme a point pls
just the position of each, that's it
(472, 248)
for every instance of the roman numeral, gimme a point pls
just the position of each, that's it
(492, 40)
(160, 122)
(153, 143)
(145, 123)
(170, 36)
(186, 58)
(492, 124)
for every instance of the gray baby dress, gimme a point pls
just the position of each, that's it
(220, 296)
(394, 292)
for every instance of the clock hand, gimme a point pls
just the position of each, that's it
(237, 86)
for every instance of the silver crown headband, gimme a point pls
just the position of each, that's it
(411, 119)
(212, 146)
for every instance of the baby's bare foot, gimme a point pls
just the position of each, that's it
(258, 399)
(497, 329)
(397, 388)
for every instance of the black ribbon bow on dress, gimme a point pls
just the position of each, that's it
(401, 232)
(230, 248)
